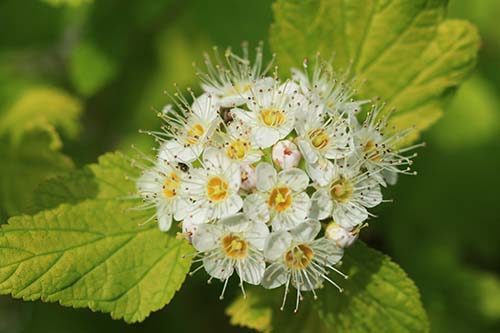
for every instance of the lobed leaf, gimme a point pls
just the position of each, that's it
(92, 252)
(378, 297)
(404, 51)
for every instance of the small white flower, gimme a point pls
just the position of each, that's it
(330, 89)
(232, 81)
(280, 198)
(341, 236)
(300, 260)
(347, 197)
(238, 144)
(232, 244)
(187, 132)
(286, 154)
(248, 178)
(213, 189)
(162, 187)
(272, 111)
(381, 156)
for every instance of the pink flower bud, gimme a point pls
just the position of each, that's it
(248, 178)
(286, 154)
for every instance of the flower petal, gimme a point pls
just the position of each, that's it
(266, 177)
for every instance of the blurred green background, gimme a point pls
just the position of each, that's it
(117, 57)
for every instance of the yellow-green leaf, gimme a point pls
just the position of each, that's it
(405, 51)
(93, 252)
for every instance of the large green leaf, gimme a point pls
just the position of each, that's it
(378, 297)
(92, 252)
(409, 55)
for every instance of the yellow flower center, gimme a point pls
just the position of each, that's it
(170, 185)
(234, 246)
(238, 149)
(280, 199)
(341, 190)
(299, 256)
(217, 189)
(371, 151)
(319, 138)
(194, 133)
(272, 117)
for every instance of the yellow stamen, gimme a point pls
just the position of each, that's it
(299, 256)
(217, 189)
(280, 199)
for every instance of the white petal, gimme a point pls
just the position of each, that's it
(265, 137)
(256, 208)
(235, 223)
(296, 214)
(257, 234)
(372, 196)
(164, 215)
(252, 270)
(296, 179)
(266, 177)
(216, 270)
(321, 172)
(306, 231)
(229, 206)
(321, 204)
(206, 237)
(349, 215)
(274, 276)
(276, 245)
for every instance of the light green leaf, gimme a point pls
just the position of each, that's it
(93, 253)
(42, 108)
(90, 68)
(26, 165)
(248, 312)
(407, 53)
(378, 297)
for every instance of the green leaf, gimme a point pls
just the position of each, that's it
(25, 166)
(250, 313)
(378, 297)
(74, 3)
(90, 68)
(93, 253)
(408, 54)
(42, 108)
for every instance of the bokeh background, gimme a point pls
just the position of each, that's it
(117, 57)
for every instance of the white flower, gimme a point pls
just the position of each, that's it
(300, 260)
(248, 178)
(188, 131)
(322, 137)
(341, 236)
(232, 81)
(280, 198)
(232, 244)
(286, 155)
(330, 89)
(213, 189)
(347, 197)
(238, 144)
(272, 111)
(162, 187)
(379, 150)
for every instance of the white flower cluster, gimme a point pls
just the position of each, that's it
(255, 166)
